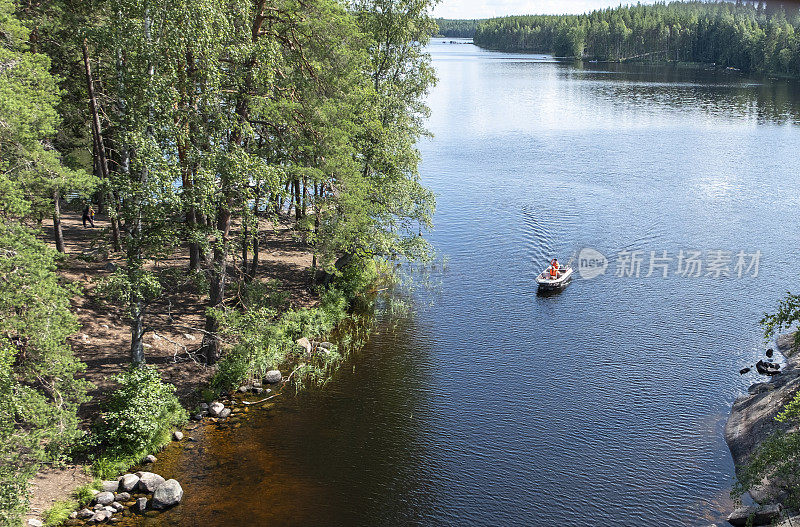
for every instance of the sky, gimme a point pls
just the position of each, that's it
(492, 8)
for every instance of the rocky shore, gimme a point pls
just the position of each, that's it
(752, 420)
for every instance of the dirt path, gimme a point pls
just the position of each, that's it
(104, 338)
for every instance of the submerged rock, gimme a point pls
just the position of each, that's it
(744, 370)
(760, 515)
(167, 494)
(768, 368)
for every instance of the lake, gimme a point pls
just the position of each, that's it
(602, 405)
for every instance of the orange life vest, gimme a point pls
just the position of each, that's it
(554, 269)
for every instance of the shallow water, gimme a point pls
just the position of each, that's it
(603, 405)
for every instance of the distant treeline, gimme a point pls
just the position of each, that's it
(457, 28)
(749, 37)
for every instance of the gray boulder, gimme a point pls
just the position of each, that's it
(325, 345)
(149, 482)
(104, 498)
(33, 522)
(273, 376)
(150, 458)
(128, 482)
(85, 514)
(178, 435)
(225, 413)
(117, 506)
(760, 515)
(141, 504)
(123, 496)
(215, 408)
(109, 486)
(167, 494)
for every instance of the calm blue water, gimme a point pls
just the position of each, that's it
(603, 405)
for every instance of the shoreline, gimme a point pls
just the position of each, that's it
(752, 420)
(101, 340)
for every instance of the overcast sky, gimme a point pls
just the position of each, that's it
(491, 8)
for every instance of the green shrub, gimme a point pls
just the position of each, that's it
(138, 418)
(59, 512)
(265, 340)
(83, 494)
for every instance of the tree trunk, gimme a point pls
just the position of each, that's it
(137, 332)
(298, 207)
(99, 146)
(251, 273)
(245, 244)
(194, 248)
(211, 345)
(57, 232)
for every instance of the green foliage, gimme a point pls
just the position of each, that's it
(790, 411)
(39, 394)
(737, 35)
(461, 28)
(59, 512)
(264, 340)
(137, 419)
(30, 169)
(777, 459)
(83, 494)
(786, 317)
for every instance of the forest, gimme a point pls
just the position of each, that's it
(457, 28)
(750, 37)
(192, 127)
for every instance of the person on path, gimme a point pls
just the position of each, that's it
(88, 215)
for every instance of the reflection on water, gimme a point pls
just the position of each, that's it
(603, 405)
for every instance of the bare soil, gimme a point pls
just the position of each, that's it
(176, 319)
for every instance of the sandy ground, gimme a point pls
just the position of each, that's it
(104, 338)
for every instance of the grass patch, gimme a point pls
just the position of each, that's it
(83, 495)
(59, 512)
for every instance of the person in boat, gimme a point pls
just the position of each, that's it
(554, 268)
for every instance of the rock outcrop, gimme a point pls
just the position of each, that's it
(754, 515)
(752, 417)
